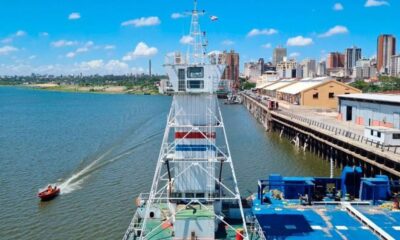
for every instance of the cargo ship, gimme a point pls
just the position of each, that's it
(194, 192)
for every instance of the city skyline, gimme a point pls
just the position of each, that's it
(70, 37)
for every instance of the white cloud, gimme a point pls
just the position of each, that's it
(376, 3)
(141, 50)
(142, 22)
(32, 57)
(70, 55)
(256, 32)
(7, 40)
(82, 50)
(267, 45)
(338, 7)
(294, 54)
(89, 44)
(74, 16)
(227, 42)
(186, 39)
(20, 33)
(7, 50)
(44, 34)
(64, 43)
(177, 15)
(299, 41)
(109, 47)
(334, 31)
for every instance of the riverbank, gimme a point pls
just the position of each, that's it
(106, 89)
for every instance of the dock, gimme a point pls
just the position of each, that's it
(332, 142)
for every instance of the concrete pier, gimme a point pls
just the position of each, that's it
(344, 147)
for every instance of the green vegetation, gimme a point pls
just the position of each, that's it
(383, 85)
(245, 85)
(134, 84)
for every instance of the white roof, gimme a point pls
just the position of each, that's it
(374, 97)
(383, 129)
(279, 84)
(300, 86)
(266, 84)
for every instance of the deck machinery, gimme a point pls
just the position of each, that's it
(194, 194)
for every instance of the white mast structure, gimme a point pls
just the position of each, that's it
(195, 157)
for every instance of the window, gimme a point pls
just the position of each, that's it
(195, 84)
(396, 135)
(199, 195)
(372, 132)
(346, 93)
(315, 96)
(189, 195)
(195, 72)
(181, 80)
(379, 134)
(331, 95)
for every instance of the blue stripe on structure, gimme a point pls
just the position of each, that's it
(197, 148)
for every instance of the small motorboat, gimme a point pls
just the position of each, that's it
(49, 193)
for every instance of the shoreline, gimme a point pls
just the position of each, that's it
(86, 89)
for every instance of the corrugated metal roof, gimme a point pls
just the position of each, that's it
(280, 84)
(301, 86)
(266, 84)
(373, 97)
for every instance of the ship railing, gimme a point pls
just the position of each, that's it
(134, 226)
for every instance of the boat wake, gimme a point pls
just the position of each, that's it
(74, 182)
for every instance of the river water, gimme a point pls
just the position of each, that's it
(102, 151)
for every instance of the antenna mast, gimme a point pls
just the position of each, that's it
(196, 51)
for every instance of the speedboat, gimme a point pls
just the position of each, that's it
(49, 194)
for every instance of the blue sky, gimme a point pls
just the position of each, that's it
(67, 36)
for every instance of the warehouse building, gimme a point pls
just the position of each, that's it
(271, 89)
(318, 92)
(382, 110)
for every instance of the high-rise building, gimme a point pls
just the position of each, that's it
(253, 70)
(231, 71)
(352, 55)
(286, 69)
(335, 60)
(278, 55)
(395, 66)
(321, 69)
(386, 49)
(364, 69)
(309, 68)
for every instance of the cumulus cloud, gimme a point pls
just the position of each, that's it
(7, 50)
(256, 32)
(44, 34)
(177, 15)
(338, 7)
(141, 50)
(74, 16)
(64, 43)
(142, 22)
(267, 45)
(299, 41)
(227, 42)
(70, 55)
(376, 3)
(7, 40)
(335, 31)
(109, 47)
(20, 33)
(186, 39)
(294, 54)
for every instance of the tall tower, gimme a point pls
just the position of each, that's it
(386, 48)
(352, 55)
(278, 55)
(194, 180)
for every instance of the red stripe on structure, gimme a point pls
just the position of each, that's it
(196, 135)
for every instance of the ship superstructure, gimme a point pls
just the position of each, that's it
(194, 194)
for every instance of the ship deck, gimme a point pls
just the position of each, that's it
(330, 221)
